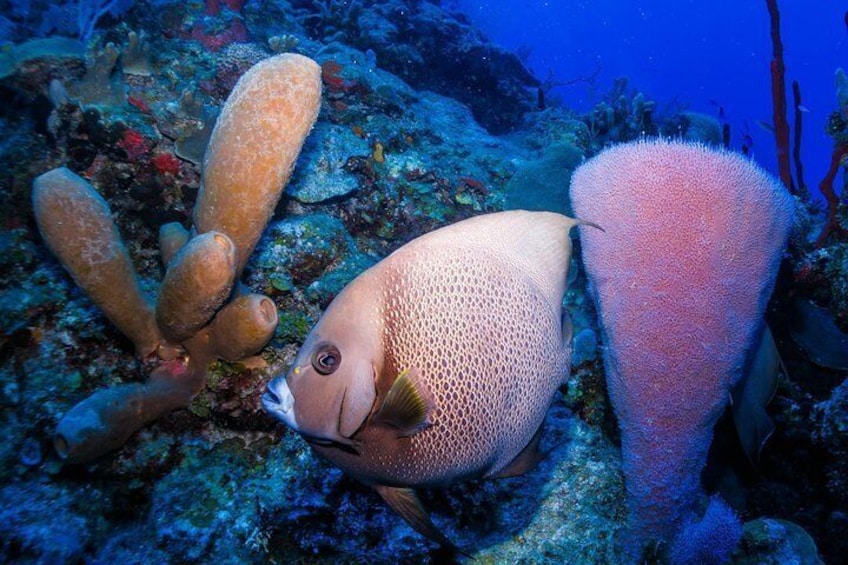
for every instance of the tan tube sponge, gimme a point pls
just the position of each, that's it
(172, 237)
(250, 157)
(243, 327)
(77, 226)
(106, 419)
(256, 141)
(197, 283)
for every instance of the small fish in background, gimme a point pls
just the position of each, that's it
(722, 120)
(719, 108)
(439, 363)
(767, 127)
(747, 140)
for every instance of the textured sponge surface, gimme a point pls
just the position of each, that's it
(256, 141)
(76, 223)
(681, 277)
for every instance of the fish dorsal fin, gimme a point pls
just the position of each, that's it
(405, 502)
(407, 406)
(535, 243)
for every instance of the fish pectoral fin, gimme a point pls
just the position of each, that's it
(525, 461)
(408, 405)
(405, 502)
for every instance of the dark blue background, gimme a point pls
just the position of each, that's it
(697, 52)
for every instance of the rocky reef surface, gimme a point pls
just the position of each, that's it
(423, 123)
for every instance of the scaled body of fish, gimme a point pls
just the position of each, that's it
(439, 363)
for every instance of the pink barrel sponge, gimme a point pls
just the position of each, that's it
(681, 277)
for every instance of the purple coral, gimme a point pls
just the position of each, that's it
(710, 540)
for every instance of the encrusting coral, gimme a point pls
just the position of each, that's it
(256, 140)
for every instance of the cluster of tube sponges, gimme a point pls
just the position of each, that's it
(200, 313)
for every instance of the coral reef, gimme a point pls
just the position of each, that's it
(773, 542)
(431, 50)
(403, 144)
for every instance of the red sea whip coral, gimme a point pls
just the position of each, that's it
(681, 278)
(777, 69)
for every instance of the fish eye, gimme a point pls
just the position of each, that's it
(326, 358)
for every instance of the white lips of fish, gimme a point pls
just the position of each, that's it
(279, 402)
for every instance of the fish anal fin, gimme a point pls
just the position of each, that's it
(525, 461)
(405, 502)
(407, 406)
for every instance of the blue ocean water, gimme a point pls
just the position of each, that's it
(701, 55)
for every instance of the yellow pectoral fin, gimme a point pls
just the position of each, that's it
(408, 405)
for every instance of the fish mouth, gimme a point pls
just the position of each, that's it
(279, 402)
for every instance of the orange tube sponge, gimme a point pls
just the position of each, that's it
(249, 159)
(106, 419)
(253, 148)
(172, 237)
(77, 225)
(243, 327)
(197, 283)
